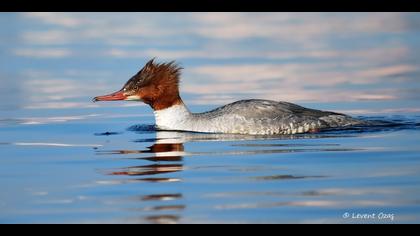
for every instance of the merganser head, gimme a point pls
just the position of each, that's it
(155, 84)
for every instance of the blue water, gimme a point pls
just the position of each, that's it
(103, 169)
(64, 159)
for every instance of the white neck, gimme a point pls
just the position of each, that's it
(176, 117)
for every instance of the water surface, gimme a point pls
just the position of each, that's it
(64, 159)
(102, 169)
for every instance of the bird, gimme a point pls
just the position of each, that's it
(157, 84)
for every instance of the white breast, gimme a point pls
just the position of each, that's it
(176, 117)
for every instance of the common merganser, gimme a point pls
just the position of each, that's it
(157, 84)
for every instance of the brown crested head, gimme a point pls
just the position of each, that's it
(156, 84)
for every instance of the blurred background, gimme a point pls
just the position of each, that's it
(360, 63)
(66, 159)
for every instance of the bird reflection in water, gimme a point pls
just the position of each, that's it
(167, 157)
(167, 154)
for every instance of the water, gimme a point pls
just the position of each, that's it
(64, 159)
(108, 169)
